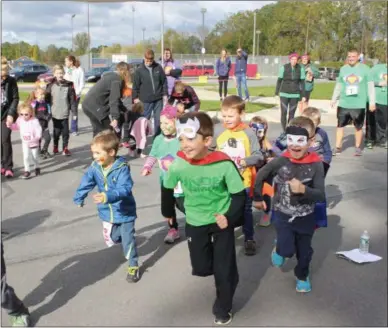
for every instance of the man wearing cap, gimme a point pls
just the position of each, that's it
(312, 73)
(291, 88)
(240, 73)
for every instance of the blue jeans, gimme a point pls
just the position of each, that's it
(242, 79)
(156, 108)
(248, 217)
(124, 233)
(74, 123)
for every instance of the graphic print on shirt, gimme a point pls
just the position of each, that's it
(352, 84)
(164, 164)
(235, 149)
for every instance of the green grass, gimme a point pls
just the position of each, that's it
(321, 91)
(214, 105)
(23, 95)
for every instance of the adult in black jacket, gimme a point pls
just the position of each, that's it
(9, 104)
(150, 87)
(291, 87)
(102, 103)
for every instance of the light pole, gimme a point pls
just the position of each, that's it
(72, 32)
(254, 37)
(143, 29)
(162, 32)
(89, 42)
(307, 31)
(258, 42)
(203, 11)
(133, 25)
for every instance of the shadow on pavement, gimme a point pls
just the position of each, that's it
(13, 227)
(334, 196)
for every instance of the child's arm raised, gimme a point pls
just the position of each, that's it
(152, 157)
(122, 189)
(87, 184)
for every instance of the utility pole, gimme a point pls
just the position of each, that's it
(143, 29)
(162, 32)
(254, 37)
(72, 32)
(133, 25)
(307, 31)
(203, 11)
(89, 42)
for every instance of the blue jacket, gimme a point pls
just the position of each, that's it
(223, 68)
(120, 205)
(241, 64)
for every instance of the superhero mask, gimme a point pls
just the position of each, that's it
(258, 128)
(297, 136)
(188, 129)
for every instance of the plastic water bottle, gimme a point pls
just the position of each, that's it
(364, 242)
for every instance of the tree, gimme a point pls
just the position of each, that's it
(81, 43)
(35, 53)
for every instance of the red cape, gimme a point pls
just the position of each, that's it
(308, 159)
(213, 157)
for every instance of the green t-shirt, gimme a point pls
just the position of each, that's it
(378, 74)
(207, 188)
(309, 84)
(302, 77)
(354, 86)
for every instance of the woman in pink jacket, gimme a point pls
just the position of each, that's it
(30, 134)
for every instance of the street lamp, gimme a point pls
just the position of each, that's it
(203, 11)
(258, 42)
(72, 33)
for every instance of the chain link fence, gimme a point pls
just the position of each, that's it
(267, 65)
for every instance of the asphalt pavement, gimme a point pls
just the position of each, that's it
(58, 263)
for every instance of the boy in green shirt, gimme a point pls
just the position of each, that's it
(352, 90)
(378, 76)
(214, 204)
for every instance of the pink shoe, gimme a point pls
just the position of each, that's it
(125, 144)
(172, 235)
(8, 173)
(265, 220)
(2, 171)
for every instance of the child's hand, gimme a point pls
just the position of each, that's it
(260, 205)
(221, 220)
(243, 163)
(145, 172)
(296, 186)
(99, 198)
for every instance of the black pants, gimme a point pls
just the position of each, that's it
(46, 137)
(6, 147)
(381, 116)
(370, 125)
(168, 204)
(212, 251)
(295, 238)
(223, 82)
(9, 301)
(97, 125)
(287, 105)
(61, 127)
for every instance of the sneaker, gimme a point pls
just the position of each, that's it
(250, 247)
(143, 155)
(125, 145)
(303, 286)
(221, 321)
(246, 100)
(276, 259)
(45, 154)
(20, 321)
(383, 145)
(369, 145)
(2, 171)
(265, 220)
(358, 152)
(74, 134)
(66, 152)
(172, 235)
(337, 151)
(26, 175)
(55, 150)
(37, 172)
(8, 174)
(133, 274)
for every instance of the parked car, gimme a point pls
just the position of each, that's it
(95, 74)
(46, 77)
(333, 74)
(28, 73)
(197, 70)
(324, 72)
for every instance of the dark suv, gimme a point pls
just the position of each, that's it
(28, 73)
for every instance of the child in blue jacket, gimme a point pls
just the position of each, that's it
(115, 202)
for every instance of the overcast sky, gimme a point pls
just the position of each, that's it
(47, 22)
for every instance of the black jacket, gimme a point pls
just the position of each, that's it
(10, 97)
(149, 89)
(291, 81)
(104, 98)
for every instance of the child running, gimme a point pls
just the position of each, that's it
(299, 185)
(214, 202)
(238, 141)
(30, 134)
(61, 96)
(164, 150)
(43, 114)
(115, 202)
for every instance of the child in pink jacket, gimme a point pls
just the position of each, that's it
(30, 133)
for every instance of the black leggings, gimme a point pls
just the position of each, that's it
(97, 125)
(61, 127)
(223, 81)
(287, 105)
(45, 134)
(168, 203)
(6, 147)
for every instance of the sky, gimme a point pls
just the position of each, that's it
(49, 22)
